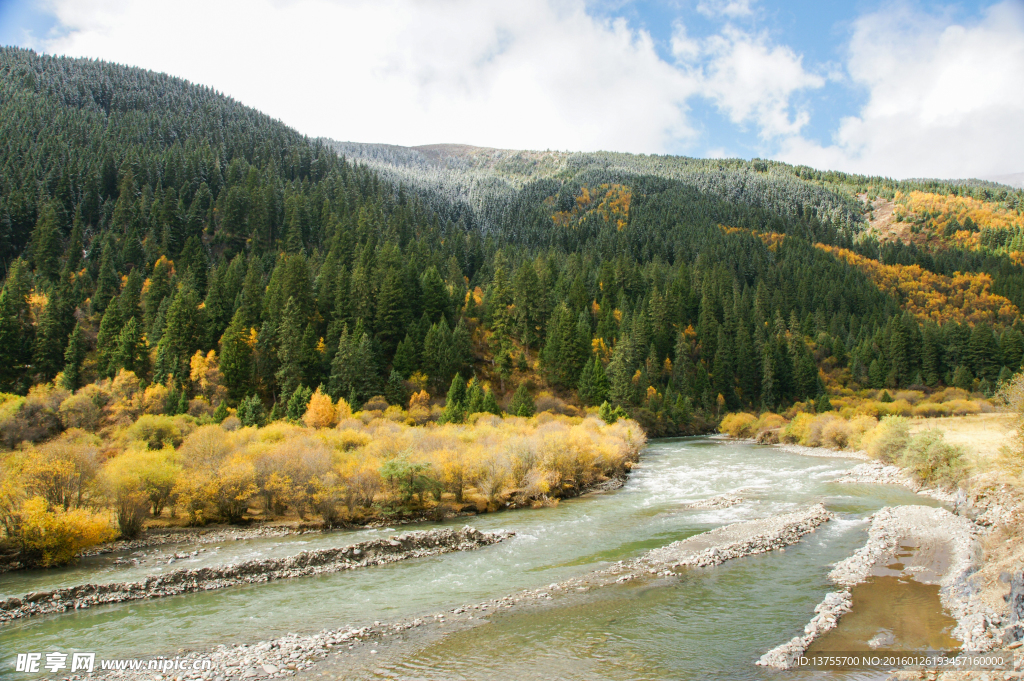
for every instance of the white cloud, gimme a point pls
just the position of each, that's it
(525, 74)
(944, 99)
(728, 8)
(754, 82)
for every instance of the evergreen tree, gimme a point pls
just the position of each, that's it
(593, 384)
(474, 398)
(433, 294)
(491, 403)
(46, 246)
(963, 379)
(298, 402)
(522, 403)
(406, 358)
(455, 404)
(182, 336)
(290, 350)
(130, 352)
(250, 411)
(394, 390)
(73, 357)
(236, 357)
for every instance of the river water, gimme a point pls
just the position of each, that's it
(711, 623)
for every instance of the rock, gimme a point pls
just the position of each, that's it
(269, 669)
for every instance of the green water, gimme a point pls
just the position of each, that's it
(709, 624)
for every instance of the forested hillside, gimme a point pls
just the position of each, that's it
(152, 226)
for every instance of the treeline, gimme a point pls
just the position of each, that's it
(150, 219)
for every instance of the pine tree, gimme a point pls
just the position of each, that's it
(433, 294)
(73, 357)
(16, 329)
(290, 351)
(439, 359)
(474, 398)
(51, 340)
(130, 351)
(454, 406)
(963, 379)
(394, 389)
(298, 402)
(236, 357)
(250, 411)
(522, 403)
(491, 403)
(46, 246)
(593, 384)
(107, 284)
(182, 336)
(406, 358)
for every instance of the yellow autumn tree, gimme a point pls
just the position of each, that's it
(321, 412)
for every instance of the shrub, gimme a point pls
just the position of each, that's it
(739, 424)
(768, 422)
(796, 430)
(79, 411)
(889, 439)
(158, 431)
(814, 436)
(859, 426)
(933, 460)
(962, 407)
(836, 434)
(53, 536)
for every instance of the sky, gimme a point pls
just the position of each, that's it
(898, 88)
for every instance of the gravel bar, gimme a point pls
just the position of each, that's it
(932, 529)
(321, 561)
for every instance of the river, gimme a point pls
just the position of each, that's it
(711, 623)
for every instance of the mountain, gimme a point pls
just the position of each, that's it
(146, 221)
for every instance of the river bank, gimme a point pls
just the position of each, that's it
(551, 588)
(325, 651)
(361, 555)
(975, 553)
(946, 551)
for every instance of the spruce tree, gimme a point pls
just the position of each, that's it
(236, 357)
(394, 389)
(130, 352)
(290, 350)
(250, 411)
(491, 403)
(182, 336)
(406, 358)
(73, 357)
(297, 403)
(474, 398)
(522, 403)
(454, 406)
(593, 383)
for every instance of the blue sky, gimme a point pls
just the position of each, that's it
(904, 89)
